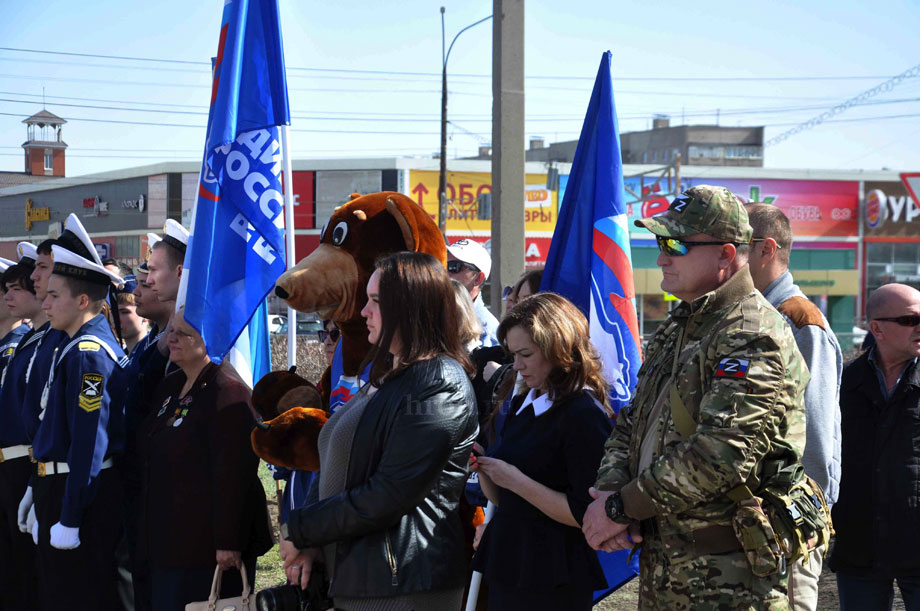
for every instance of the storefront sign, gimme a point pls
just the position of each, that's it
(139, 204)
(468, 211)
(36, 214)
(100, 208)
(890, 211)
(816, 208)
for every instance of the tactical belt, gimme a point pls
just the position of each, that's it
(12, 452)
(59, 468)
(704, 541)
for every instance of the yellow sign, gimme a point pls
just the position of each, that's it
(36, 214)
(466, 212)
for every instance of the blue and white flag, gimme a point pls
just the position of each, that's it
(236, 247)
(589, 263)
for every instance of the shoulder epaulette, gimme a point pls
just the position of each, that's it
(802, 312)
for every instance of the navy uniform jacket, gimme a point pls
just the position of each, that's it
(146, 368)
(13, 389)
(35, 376)
(9, 342)
(83, 422)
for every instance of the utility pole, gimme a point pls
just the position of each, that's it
(508, 150)
(442, 178)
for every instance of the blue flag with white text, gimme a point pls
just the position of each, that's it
(236, 248)
(589, 263)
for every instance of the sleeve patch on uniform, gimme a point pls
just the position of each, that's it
(732, 368)
(91, 392)
(89, 346)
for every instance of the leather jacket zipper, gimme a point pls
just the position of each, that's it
(390, 559)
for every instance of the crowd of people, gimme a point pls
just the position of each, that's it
(127, 477)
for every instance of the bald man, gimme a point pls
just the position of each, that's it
(877, 516)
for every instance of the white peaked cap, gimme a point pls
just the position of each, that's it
(152, 239)
(74, 226)
(5, 264)
(27, 250)
(67, 263)
(175, 235)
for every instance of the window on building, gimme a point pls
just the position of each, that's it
(743, 152)
(887, 262)
(49, 160)
(127, 247)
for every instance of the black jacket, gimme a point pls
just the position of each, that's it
(877, 517)
(396, 525)
(201, 490)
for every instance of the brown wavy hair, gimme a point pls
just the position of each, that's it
(416, 300)
(560, 331)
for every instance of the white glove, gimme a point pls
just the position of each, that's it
(35, 532)
(31, 520)
(65, 537)
(25, 508)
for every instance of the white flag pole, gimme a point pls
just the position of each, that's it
(289, 236)
(473, 597)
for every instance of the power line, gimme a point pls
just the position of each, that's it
(438, 74)
(844, 106)
(485, 119)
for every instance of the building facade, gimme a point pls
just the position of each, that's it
(853, 230)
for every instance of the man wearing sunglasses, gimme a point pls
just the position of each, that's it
(718, 405)
(469, 263)
(878, 512)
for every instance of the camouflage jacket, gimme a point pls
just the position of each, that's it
(742, 378)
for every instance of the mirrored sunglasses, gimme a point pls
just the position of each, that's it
(674, 247)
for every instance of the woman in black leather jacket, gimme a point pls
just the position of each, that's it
(383, 512)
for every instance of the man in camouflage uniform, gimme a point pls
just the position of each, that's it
(734, 365)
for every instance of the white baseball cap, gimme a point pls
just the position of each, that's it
(473, 253)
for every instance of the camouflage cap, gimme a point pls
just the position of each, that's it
(714, 211)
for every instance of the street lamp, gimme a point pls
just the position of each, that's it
(442, 179)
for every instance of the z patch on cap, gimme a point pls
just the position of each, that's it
(732, 368)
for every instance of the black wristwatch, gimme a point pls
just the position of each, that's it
(614, 509)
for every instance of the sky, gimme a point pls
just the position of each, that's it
(364, 77)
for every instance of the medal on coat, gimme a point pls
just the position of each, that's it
(181, 413)
(163, 408)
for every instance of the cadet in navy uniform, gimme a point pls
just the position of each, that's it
(77, 494)
(11, 327)
(75, 239)
(18, 576)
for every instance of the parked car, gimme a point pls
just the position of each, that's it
(304, 327)
(275, 321)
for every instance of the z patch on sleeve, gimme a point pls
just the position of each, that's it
(91, 392)
(732, 368)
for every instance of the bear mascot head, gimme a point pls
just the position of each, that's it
(332, 281)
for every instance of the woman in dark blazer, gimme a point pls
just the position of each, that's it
(533, 552)
(202, 503)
